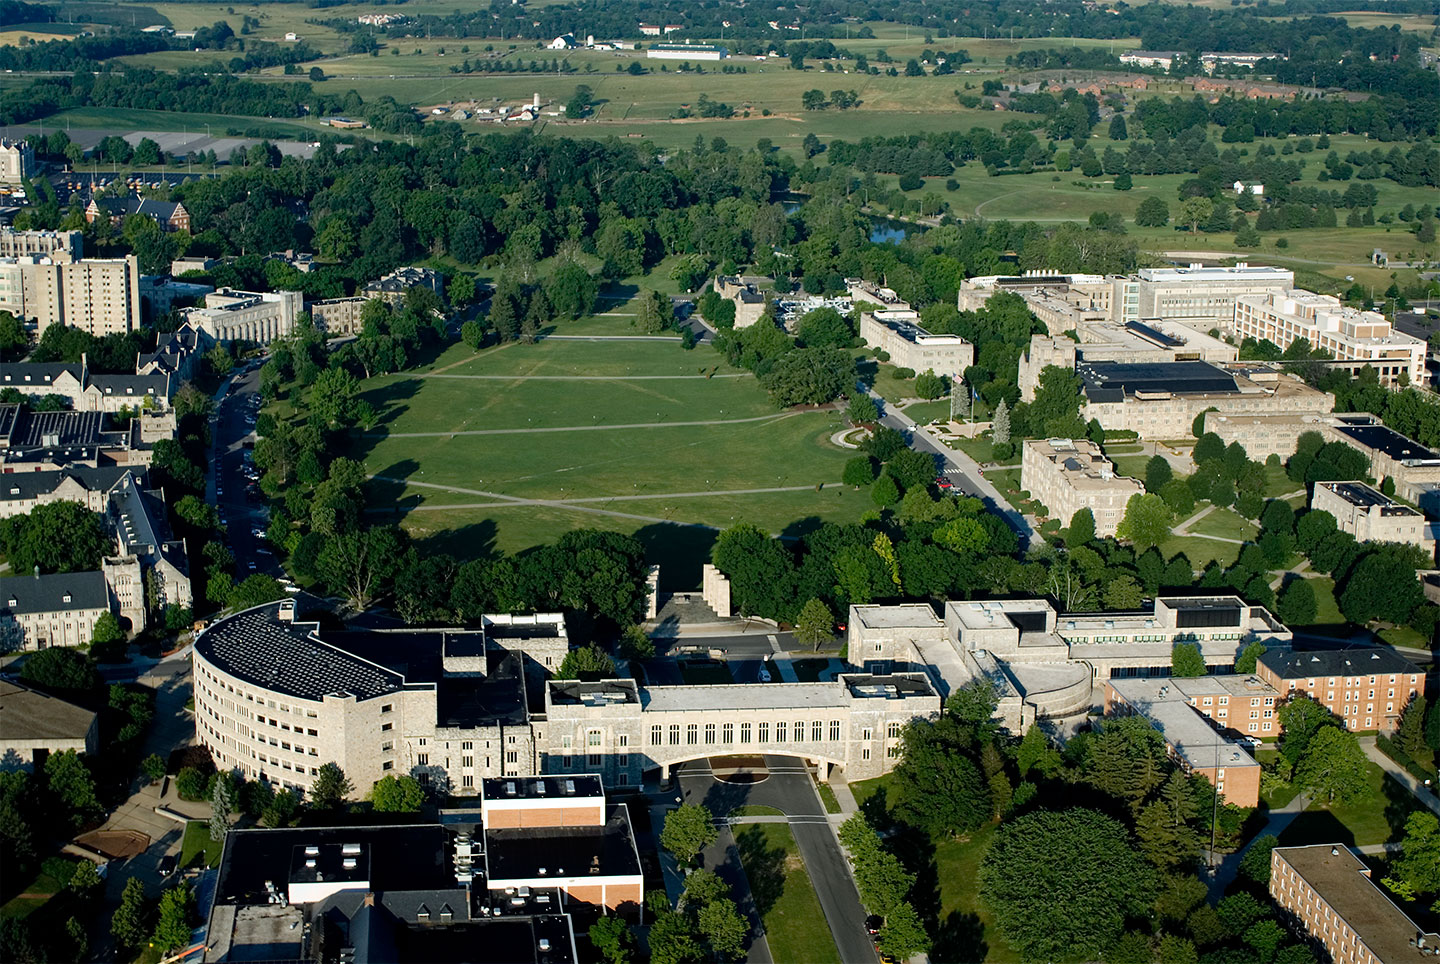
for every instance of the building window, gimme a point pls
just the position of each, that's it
(744, 732)
(467, 781)
(467, 761)
(817, 731)
(383, 727)
(727, 733)
(594, 759)
(422, 758)
(865, 753)
(655, 735)
(834, 731)
(762, 732)
(892, 730)
(512, 756)
(467, 745)
(674, 734)
(780, 732)
(387, 765)
(692, 734)
(387, 707)
(892, 752)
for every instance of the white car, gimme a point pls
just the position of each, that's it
(1252, 741)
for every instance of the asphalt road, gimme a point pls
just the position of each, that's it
(962, 471)
(242, 513)
(789, 788)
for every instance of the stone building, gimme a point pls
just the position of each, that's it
(100, 296)
(34, 725)
(17, 161)
(1355, 339)
(1067, 475)
(338, 316)
(1371, 516)
(277, 698)
(898, 333)
(17, 244)
(1329, 891)
(253, 316)
(21, 492)
(38, 612)
(170, 215)
(749, 302)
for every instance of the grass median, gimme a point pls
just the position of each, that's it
(795, 925)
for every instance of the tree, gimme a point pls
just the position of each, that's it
(1249, 657)
(392, 794)
(357, 564)
(1082, 529)
(1382, 586)
(929, 385)
(1333, 766)
(177, 907)
(1152, 213)
(56, 537)
(330, 788)
(885, 493)
(130, 924)
(610, 936)
(1185, 660)
(281, 809)
(1195, 211)
(222, 805)
(1157, 473)
(671, 940)
(903, 935)
(1146, 522)
(815, 624)
(825, 328)
(653, 312)
(472, 333)
(862, 409)
(1296, 605)
(723, 927)
(1416, 871)
(73, 787)
(86, 880)
(1055, 411)
(1255, 862)
(688, 829)
(859, 471)
(881, 879)
(64, 670)
(938, 787)
(153, 767)
(586, 662)
(1000, 424)
(1035, 753)
(579, 103)
(1118, 131)
(13, 339)
(809, 376)
(1062, 884)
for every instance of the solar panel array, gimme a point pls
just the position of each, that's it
(256, 646)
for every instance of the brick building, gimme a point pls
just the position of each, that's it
(1367, 688)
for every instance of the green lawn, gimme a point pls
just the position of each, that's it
(1201, 552)
(1227, 524)
(795, 926)
(1327, 610)
(1377, 817)
(926, 412)
(197, 847)
(619, 449)
(827, 797)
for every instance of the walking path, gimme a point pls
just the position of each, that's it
(646, 497)
(531, 430)
(512, 500)
(1183, 529)
(1299, 569)
(1402, 776)
(1229, 866)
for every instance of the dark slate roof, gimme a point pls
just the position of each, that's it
(160, 210)
(46, 594)
(1388, 441)
(24, 486)
(256, 645)
(1114, 381)
(155, 383)
(1374, 661)
(70, 428)
(37, 373)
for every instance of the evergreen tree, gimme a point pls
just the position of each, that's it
(222, 804)
(330, 788)
(1000, 424)
(130, 924)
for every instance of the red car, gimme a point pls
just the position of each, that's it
(944, 483)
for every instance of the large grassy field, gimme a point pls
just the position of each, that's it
(1377, 816)
(600, 434)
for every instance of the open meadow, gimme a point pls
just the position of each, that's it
(511, 446)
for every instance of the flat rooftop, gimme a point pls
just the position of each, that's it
(534, 852)
(1114, 381)
(580, 786)
(1367, 497)
(1240, 272)
(1389, 442)
(995, 613)
(1343, 881)
(913, 616)
(1193, 738)
(28, 714)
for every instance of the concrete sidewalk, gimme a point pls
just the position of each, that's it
(1402, 776)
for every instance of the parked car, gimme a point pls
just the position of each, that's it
(167, 865)
(943, 483)
(764, 675)
(1252, 741)
(873, 923)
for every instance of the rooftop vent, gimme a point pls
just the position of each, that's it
(349, 863)
(350, 848)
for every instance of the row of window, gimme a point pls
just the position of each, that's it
(695, 735)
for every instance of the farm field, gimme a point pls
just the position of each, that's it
(617, 434)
